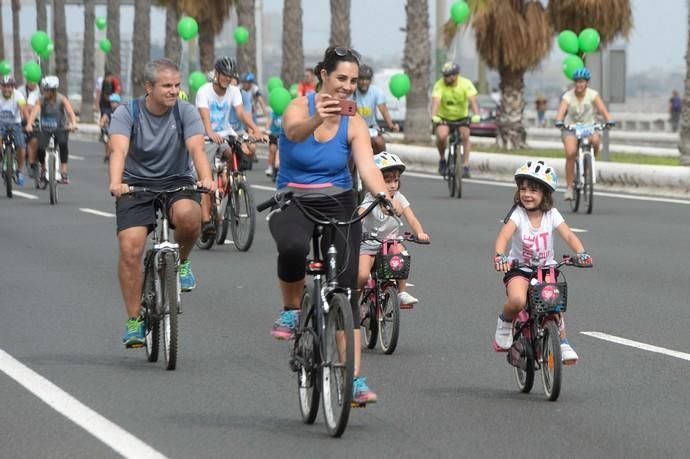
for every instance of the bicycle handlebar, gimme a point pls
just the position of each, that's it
(595, 126)
(142, 189)
(236, 139)
(407, 237)
(567, 260)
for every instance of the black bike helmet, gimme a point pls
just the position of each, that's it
(450, 68)
(365, 72)
(225, 65)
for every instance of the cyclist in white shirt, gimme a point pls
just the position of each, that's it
(13, 109)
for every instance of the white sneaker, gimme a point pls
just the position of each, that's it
(568, 354)
(406, 298)
(269, 171)
(568, 195)
(503, 338)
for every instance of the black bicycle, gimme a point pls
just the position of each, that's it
(536, 339)
(455, 156)
(323, 351)
(160, 293)
(8, 158)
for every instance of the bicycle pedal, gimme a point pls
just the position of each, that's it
(134, 345)
(407, 306)
(358, 405)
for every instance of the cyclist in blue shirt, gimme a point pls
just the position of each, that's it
(369, 98)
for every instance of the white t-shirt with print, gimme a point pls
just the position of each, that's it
(10, 108)
(218, 106)
(580, 110)
(528, 240)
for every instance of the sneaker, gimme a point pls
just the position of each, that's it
(64, 179)
(286, 325)
(33, 170)
(187, 279)
(208, 231)
(568, 195)
(134, 333)
(465, 171)
(568, 354)
(503, 338)
(442, 166)
(20, 179)
(269, 171)
(361, 394)
(406, 299)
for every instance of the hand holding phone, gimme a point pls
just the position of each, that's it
(348, 107)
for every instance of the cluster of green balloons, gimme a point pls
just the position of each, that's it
(188, 28)
(241, 35)
(5, 68)
(42, 44)
(399, 85)
(101, 23)
(105, 45)
(460, 12)
(196, 80)
(576, 46)
(278, 96)
(32, 71)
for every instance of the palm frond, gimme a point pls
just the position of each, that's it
(609, 17)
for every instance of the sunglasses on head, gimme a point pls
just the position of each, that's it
(343, 52)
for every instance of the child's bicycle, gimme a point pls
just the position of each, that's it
(536, 339)
(379, 301)
(8, 160)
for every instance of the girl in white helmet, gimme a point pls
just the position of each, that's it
(383, 224)
(529, 228)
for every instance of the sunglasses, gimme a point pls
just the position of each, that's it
(343, 52)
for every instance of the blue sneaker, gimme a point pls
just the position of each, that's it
(361, 394)
(187, 279)
(134, 333)
(286, 325)
(20, 179)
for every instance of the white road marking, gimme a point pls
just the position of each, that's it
(228, 241)
(114, 436)
(262, 187)
(24, 195)
(96, 212)
(638, 345)
(78, 158)
(578, 230)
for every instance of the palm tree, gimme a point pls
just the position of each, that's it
(610, 17)
(16, 40)
(293, 51)
(2, 35)
(340, 23)
(417, 65)
(60, 34)
(172, 38)
(88, 65)
(141, 47)
(246, 53)
(113, 33)
(684, 145)
(42, 24)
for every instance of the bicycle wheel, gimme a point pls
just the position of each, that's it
(460, 160)
(524, 377)
(389, 321)
(337, 370)
(170, 308)
(588, 188)
(307, 360)
(52, 178)
(148, 304)
(450, 170)
(369, 324)
(551, 365)
(243, 221)
(8, 171)
(577, 188)
(224, 222)
(207, 243)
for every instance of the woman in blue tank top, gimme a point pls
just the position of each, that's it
(315, 145)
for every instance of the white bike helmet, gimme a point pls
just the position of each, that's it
(539, 171)
(50, 82)
(386, 161)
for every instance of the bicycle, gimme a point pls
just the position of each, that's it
(323, 351)
(455, 157)
(234, 199)
(380, 296)
(161, 292)
(8, 157)
(536, 339)
(585, 171)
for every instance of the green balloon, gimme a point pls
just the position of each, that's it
(399, 85)
(294, 90)
(570, 64)
(101, 23)
(274, 83)
(48, 51)
(589, 40)
(39, 41)
(187, 27)
(105, 45)
(196, 80)
(32, 71)
(568, 42)
(5, 68)
(459, 12)
(241, 34)
(279, 99)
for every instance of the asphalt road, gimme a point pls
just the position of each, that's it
(443, 393)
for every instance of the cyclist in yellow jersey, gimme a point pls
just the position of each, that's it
(450, 100)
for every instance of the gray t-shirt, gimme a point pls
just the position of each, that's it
(158, 155)
(380, 222)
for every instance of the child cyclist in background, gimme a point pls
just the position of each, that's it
(530, 231)
(275, 123)
(384, 225)
(104, 122)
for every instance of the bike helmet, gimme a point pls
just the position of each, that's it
(8, 80)
(365, 72)
(248, 77)
(539, 171)
(225, 65)
(582, 73)
(450, 68)
(386, 161)
(115, 97)
(50, 82)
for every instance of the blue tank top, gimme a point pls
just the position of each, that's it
(315, 163)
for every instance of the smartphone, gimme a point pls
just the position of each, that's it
(348, 107)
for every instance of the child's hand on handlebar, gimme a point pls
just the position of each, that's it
(423, 236)
(501, 263)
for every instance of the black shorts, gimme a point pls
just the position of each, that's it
(272, 139)
(513, 273)
(138, 209)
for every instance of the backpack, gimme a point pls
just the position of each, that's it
(133, 108)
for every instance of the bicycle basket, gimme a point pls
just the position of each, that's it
(548, 298)
(244, 161)
(392, 265)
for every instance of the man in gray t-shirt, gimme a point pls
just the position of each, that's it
(158, 158)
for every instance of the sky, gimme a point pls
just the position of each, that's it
(657, 43)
